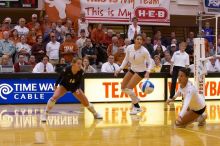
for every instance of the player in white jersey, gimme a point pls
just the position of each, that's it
(193, 104)
(138, 57)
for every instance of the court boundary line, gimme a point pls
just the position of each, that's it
(197, 132)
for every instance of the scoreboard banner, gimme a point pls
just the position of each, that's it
(18, 3)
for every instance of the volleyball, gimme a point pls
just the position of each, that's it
(147, 87)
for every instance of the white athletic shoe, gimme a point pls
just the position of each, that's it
(202, 120)
(98, 116)
(135, 111)
(43, 117)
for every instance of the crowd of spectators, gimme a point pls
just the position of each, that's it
(44, 45)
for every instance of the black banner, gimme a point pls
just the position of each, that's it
(19, 4)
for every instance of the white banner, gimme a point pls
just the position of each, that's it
(149, 12)
(212, 6)
(109, 90)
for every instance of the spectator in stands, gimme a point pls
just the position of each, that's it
(62, 61)
(171, 38)
(134, 29)
(149, 46)
(21, 61)
(86, 67)
(6, 25)
(190, 39)
(23, 48)
(119, 57)
(113, 47)
(127, 43)
(74, 35)
(68, 26)
(218, 46)
(190, 51)
(68, 49)
(7, 47)
(38, 49)
(60, 27)
(157, 37)
(108, 37)
(159, 52)
(160, 45)
(89, 51)
(82, 23)
(213, 65)
(144, 36)
(32, 61)
(52, 49)
(58, 35)
(44, 66)
(172, 49)
(207, 44)
(110, 66)
(32, 37)
(81, 42)
(15, 37)
(5, 60)
(167, 58)
(173, 41)
(208, 33)
(98, 35)
(45, 24)
(33, 22)
(157, 66)
(120, 39)
(22, 30)
(38, 29)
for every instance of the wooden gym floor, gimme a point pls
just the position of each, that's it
(72, 125)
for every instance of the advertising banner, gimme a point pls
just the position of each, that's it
(23, 91)
(18, 3)
(149, 12)
(212, 88)
(211, 6)
(109, 90)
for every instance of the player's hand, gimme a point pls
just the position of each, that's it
(117, 72)
(146, 75)
(169, 101)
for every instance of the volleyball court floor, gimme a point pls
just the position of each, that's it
(72, 125)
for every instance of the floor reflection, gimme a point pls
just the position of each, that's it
(73, 125)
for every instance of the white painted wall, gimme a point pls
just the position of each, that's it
(186, 7)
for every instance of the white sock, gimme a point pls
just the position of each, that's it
(50, 104)
(91, 109)
(132, 95)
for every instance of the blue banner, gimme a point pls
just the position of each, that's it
(212, 6)
(30, 91)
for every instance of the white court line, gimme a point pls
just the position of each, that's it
(196, 132)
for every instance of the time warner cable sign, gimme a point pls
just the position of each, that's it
(20, 91)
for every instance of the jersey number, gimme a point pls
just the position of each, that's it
(72, 81)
